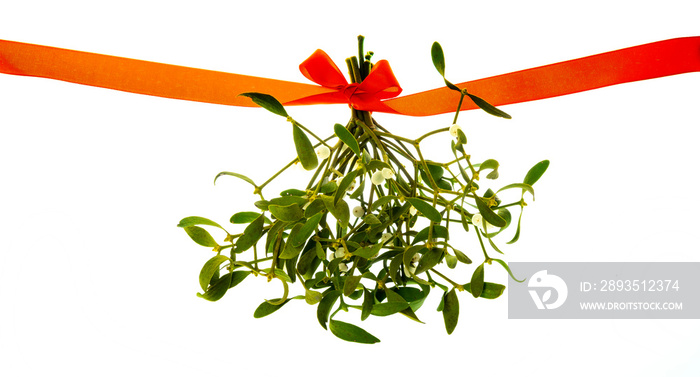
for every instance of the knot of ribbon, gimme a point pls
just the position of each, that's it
(379, 84)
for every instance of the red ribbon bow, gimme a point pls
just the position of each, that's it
(379, 84)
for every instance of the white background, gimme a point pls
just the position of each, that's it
(96, 279)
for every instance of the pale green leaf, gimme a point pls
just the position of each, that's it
(200, 236)
(239, 176)
(305, 150)
(196, 220)
(523, 186)
(351, 333)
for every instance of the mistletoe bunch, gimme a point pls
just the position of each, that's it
(371, 230)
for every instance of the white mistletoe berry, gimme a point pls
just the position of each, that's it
(453, 130)
(377, 178)
(323, 152)
(340, 252)
(386, 237)
(352, 186)
(413, 211)
(358, 211)
(410, 269)
(388, 173)
(479, 221)
(415, 259)
(342, 267)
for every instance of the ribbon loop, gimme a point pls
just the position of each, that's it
(320, 69)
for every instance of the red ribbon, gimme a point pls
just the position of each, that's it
(658, 59)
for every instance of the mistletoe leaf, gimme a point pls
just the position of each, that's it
(351, 333)
(535, 173)
(200, 236)
(324, 307)
(367, 304)
(210, 269)
(306, 230)
(477, 283)
(239, 176)
(305, 150)
(196, 220)
(218, 289)
(488, 213)
(490, 290)
(450, 310)
(425, 209)
(489, 108)
(346, 137)
(369, 251)
(351, 283)
(438, 58)
(313, 297)
(524, 186)
(251, 234)
(344, 184)
(384, 309)
(517, 231)
(244, 217)
(429, 260)
(267, 308)
(267, 102)
(505, 265)
(289, 213)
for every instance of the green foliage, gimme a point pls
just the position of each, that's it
(305, 150)
(210, 269)
(534, 174)
(239, 176)
(450, 310)
(489, 290)
(267, 102)
(401, 242)
(489, 108)
(196, 220)
(425, 209)
(346, 137)
(244, 217)
(351, 333)
(267, 308)
(439, 63)
(477, 283)
(200, 236)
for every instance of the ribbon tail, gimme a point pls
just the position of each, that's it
(653, 60)
(143, 77)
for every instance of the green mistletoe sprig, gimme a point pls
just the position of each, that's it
(371, 231)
